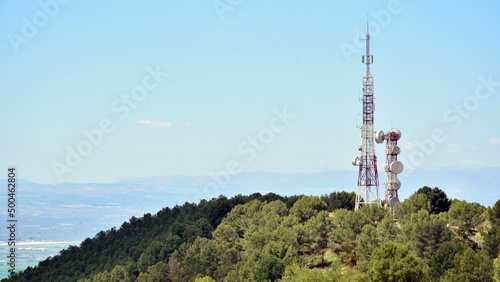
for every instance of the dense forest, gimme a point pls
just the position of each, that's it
(299, 238)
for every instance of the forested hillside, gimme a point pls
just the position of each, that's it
(298, 238)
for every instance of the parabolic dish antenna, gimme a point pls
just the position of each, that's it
(379, 136)
(396, 167)
(395, 150)
(393, 201)
(395, 134)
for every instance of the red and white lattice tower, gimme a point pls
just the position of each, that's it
(368, 182)
(392, 167)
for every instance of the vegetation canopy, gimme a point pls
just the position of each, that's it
(298, 238)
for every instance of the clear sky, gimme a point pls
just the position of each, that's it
(97, 91)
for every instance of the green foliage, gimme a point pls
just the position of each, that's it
(496, 269)
(297, 273)
(444, 258)
(139, 237)
(266, 264)
(313, 238)
(254, 242)
(494, 213)
(371, 238)
(204, 279)
(336, 273)
(218, 209)
(411, 206)
(387, 229)
(274, 238)
(438, 199)
(366, 242)
(154, 273)
(492, 242)
(425, 232)
(465, 219)
(116, 275)
(346, 226)
(470, 266)
(340, 200)
(395, 262)
(201, 257)
(158, 250)
(374, 213)
(306, 207)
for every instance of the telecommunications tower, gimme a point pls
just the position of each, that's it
(392, 167)
(368, 183)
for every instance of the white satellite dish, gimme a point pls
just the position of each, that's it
(395, 134)
(396, 167)
(379, 136)
(355, 161)
(394, 185)
(395, 150)
(393, 201)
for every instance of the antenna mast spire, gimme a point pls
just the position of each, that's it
(368, 182)
(367, 58)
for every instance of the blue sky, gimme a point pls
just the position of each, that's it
(199, 87)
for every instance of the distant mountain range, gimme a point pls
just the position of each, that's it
(73, 212)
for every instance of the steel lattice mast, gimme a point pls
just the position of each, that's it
(368, 182)
(392, 167)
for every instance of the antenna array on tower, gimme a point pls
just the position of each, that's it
(368, 182)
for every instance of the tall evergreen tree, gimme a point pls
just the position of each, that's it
(470, 267)
(394, 262)
(438, 199)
